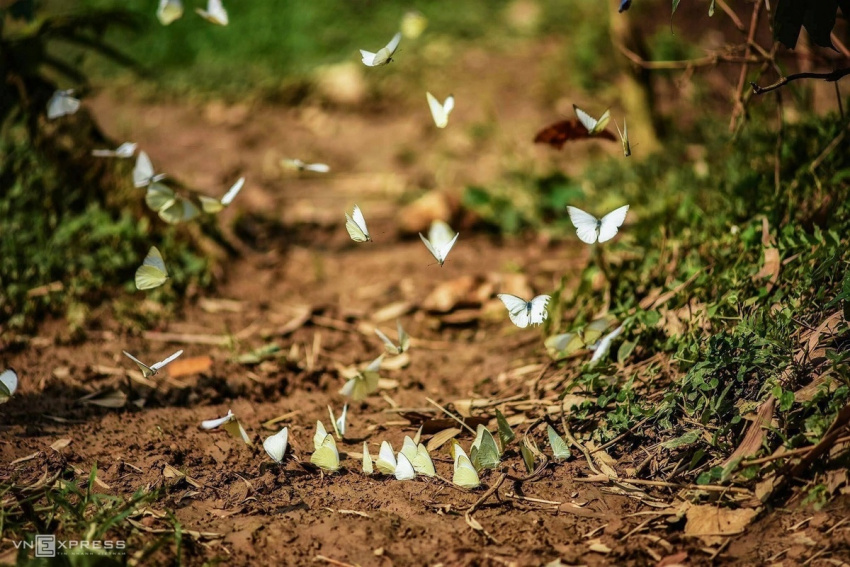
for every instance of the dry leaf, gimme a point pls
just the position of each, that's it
(392, 311)
(441, 438)
(597, 546)
(106, 399)
(25, 459)
(711, 523)
(755, 433)
(448, 295)
(189, 366)
(675, 560)
(60, 444)
(770, 267)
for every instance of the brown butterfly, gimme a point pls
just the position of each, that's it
(564, 131)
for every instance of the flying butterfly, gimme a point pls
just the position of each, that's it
(440, 111)
(148, 371)
(562, 345)
(212, 206)
(524, 313)
(624, 138)
(384, 55)
(593, 125)
(143, 173)
(215, 13)
(125, 150)
(152, 273)
(391, 347)
(299, 165)
(181, 210)
(275, 445)
(364, 382)
(62, 104)
(440, 240)
(8, 385)
(591, 229)
(355, 224)
(559, 133)
(169, 11)
(230, 424)
(602, 347)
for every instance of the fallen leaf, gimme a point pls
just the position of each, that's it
(189, 366)
(106, 399)
(441, 438)
(453, 293)
(599, 547)
(675, 560)
(770, 268)
(755, 433)
(60, 444)
(711, 523)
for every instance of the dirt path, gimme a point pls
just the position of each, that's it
(317, 295)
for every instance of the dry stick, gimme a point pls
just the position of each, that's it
(706, 61)
(739, 90)
(487, 494)
(839, 46)
(831, 76)
(580, 447)
(664, 484)
(332, 561)
(629, 431)
(787, 454)
(838, 97)
(451, 415)
(732, 16)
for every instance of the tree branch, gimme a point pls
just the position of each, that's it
(833, 76)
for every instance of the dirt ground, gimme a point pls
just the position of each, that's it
(307, 287)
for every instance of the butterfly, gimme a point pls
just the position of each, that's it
(143, 173)
(465, 474)
(355, 224)
(8, 384)
(559, 133)
(506, 434)
(148, 371)
(61, 104)
(522, 312)
(593, 125)
(384, 55)
(625, 5)
(159, 196)
(602, 347)
(361, 384)
(125, 150)
(326, 455)
(339, 422)
(403, 340)
(440, 112)
(527, 457)
(440, 240)
(168, 11)
(230, 424)
(181, 210)
(419, 457)
(215, 13)
(152, 272)
(275, 445)
(590, 229)
(484, 453)
(210, 205)
(624, 138)
(562, 345)
(367, 460)
(559, 447)
(404, 470)
(386, 462)
(301, 166)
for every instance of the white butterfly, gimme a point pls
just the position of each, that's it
(418, 457)
(326, 456)
(591, 229)
(593, 125)
(301, 166)
(440, 112)
(148, 371)
(125, 150)
(602, 347)
(384, 55)
(230, 424)
(355, 224)
(440, 240)
(62, 103)
(339, 422)
(404, 469)
(143, 173)
(465, 474)
(361, 384)
(386, 462)
(211, 205)
(367, 460)
(319, 435)
(559, 447)
(391, 347)
(275, 445)
(522, 312)
(168, 11)
(152, 273)
(181, 210)
(215, 13)
(8, 384)
(624, 138)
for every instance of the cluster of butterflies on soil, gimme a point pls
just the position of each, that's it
(413, 458)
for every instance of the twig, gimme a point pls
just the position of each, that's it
(629, 431)
(451, 415)
(332, 561)
(739, 89)
(732, 15)
(568, 434)
(706, 61)
(487, 494)
(663, 484)
(831, 76)
(787, 454)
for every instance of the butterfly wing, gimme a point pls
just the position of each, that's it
(167, 361)
(602, 122)
(438, 111)
(587, 225)
(368, 58)
(181, 210)
(62, 103)
(213, 423)
(169, 11)
(538, 309)
(465, 474)
(404, 469)
(215, 13)
(319, 436)
(126, 150)
(446, 248)
(393, 44)
(403, 338)
(506, 434)
(388, 344)
(143, 172)
(318, 167)
(408, 448)
(367, 460)
(517, 309)
(152, 273)
(422, 462)
(326, 456)
(386, 462)
(233, 191)
(275, 445)
(610, 223)
(588, 121)
(210, 205)
(559, 447)
(339, 423)
(159, 197)
(355, 224)
(146, 370)
(604, 345)
(8, 384)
